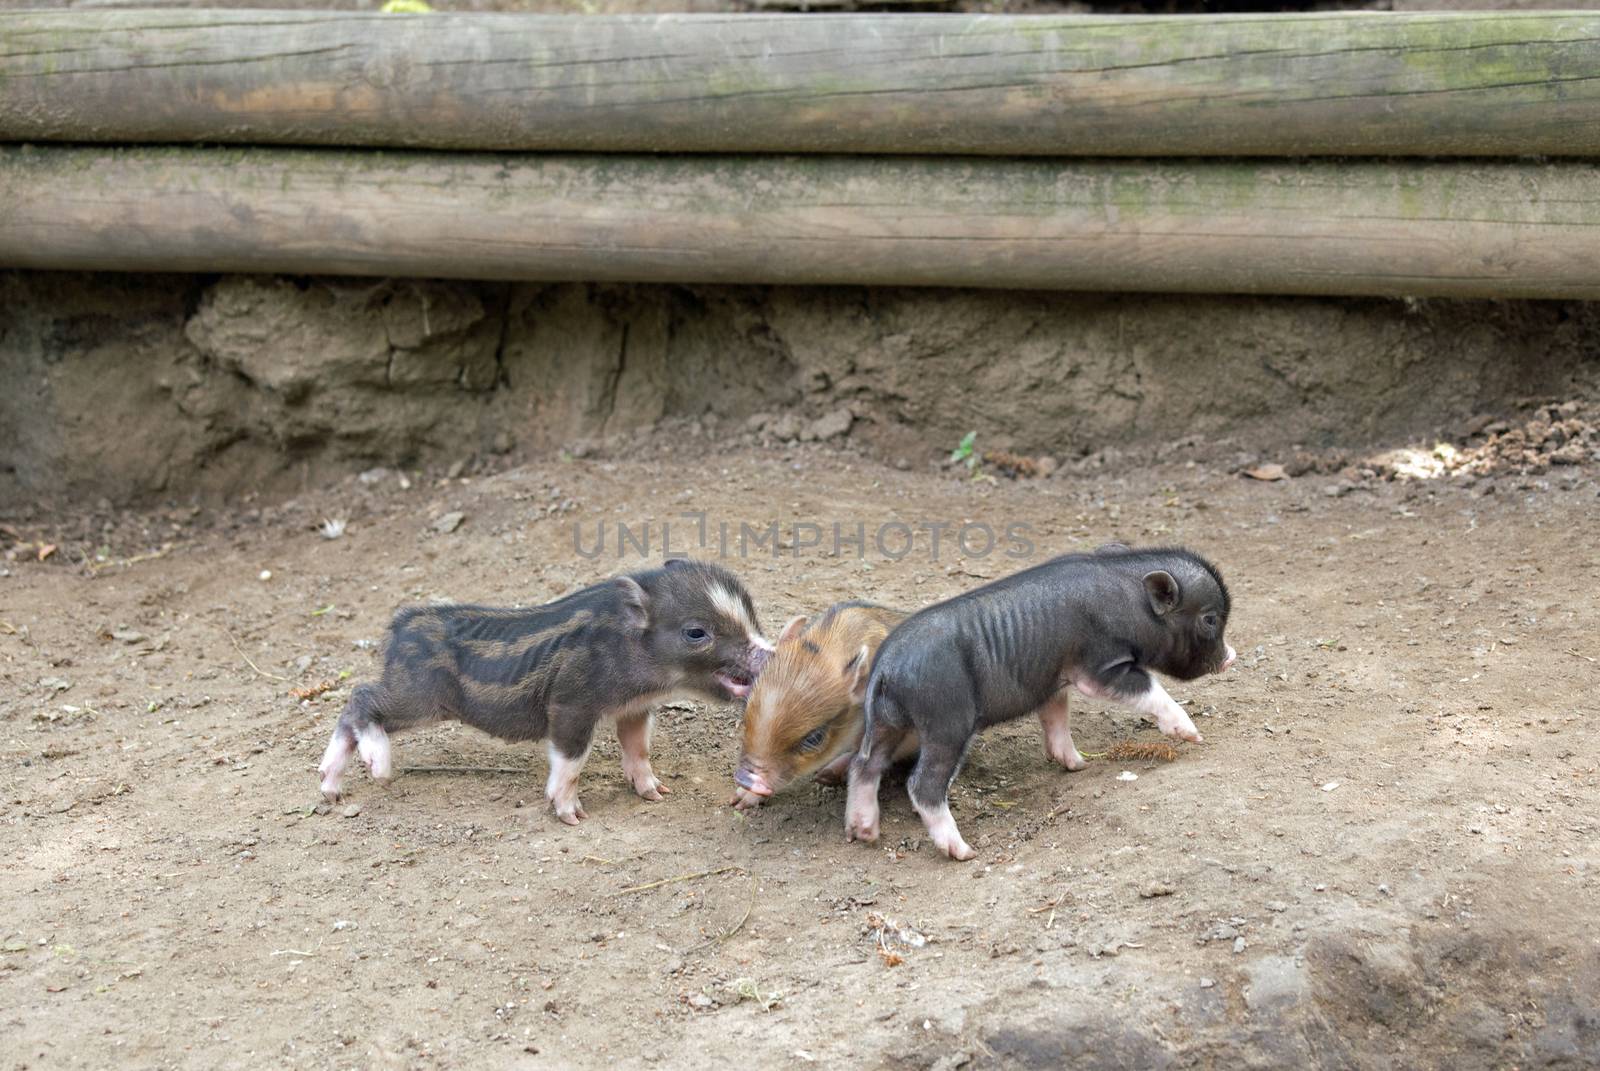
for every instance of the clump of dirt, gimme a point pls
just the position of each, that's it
(1553, 434)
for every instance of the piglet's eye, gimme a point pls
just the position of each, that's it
(814, 739)
(696, 634)
(1210, 621)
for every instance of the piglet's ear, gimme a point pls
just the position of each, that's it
(674, 563)
(635, 603)
(1111, 548)
(856, 671)
(1163, 591)
(795, 626)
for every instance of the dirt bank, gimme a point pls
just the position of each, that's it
(216, 386)
(1384, 856)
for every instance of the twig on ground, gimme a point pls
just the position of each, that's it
(464, 769)
(680, 877)
(95, 567)
(737, 926)
(270, 676)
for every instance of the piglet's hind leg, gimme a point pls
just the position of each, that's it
(943, 832)
(937, 765)
(562, 788)
(861, 805)
(334, 760)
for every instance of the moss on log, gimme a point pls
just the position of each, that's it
(1386, 228)
(1478, 84)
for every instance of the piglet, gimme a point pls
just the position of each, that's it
(556, 671)
(804, 715)
(1101, 622)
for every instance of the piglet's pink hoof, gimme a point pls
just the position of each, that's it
(960, 851)
(572, 816)
(862, 829)
(649, 787)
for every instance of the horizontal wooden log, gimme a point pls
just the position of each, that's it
(1471, 84)
(1455, 228)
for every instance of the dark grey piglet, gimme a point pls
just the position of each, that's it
(1099, 621)
(608, 651)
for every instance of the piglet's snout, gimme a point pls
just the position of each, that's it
(1227, 663)
(749, 778)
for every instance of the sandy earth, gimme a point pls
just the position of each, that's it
(1385, 855)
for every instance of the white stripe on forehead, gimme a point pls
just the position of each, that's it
(732, 607)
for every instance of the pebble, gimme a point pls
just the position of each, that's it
(832, 426)
(264, 575)
(1157, 888)
(1238, 945)
(449, 522)
(1277, 905)
(352, 810)
(1207, 983)
(344, 924)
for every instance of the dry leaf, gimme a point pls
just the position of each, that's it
(45, 550)
(1270, 471)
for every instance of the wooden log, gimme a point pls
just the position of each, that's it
(1478, 84)
(1447, 229)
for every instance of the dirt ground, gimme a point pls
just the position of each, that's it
(1384, 855)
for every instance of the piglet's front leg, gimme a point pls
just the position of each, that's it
(1057, 724)
(1140, 691)
(633, 733)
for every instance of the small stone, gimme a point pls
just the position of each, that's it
(1207, 983)
(832, 425)
(503, 442)
(55, 684)
(1155, 889)
(352, 810)
(264, 575)
(127, 635)
(449, 522)
(1047, 465)
(322, 808)
(1238, 945)
(343, 924)
(1277, 905)
(1384, 890)
(1127, 775)
(455, 470)
(701, 1002)
(786, 427)
(372, 476)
